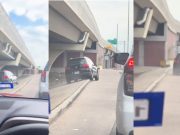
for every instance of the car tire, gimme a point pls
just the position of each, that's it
(97, 77)
(91, 77)
(117, 133)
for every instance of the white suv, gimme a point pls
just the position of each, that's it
(125, 103)
(8, 76)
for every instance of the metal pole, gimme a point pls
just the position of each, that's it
(128, 26)
(117, 39)
(124, 46)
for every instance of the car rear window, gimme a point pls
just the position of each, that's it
(8, 73)
(78, 61)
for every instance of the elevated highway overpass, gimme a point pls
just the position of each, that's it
(13, 53)
(156, 33)
(73, 32)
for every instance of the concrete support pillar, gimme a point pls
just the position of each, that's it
(141, 53)
(166, 43)
(53, 55)
(9, 50)
(18, 59)
(65, 59)
(7, 46)
(16, 62)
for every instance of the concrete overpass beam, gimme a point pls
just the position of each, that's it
(71, 47)
(153, 26)
(6, 49)
(10, 47)
(142, 26)
(57, 49)
(18, 58)
(53, 56)
(25, 63)
(16, 62)
(62, 27)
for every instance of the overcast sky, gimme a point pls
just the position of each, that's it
(109, 13)
(31, 19)
(174, 7)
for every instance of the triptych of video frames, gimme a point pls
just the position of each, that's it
(82, 67)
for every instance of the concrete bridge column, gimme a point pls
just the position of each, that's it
(53, 56)
(141, 53)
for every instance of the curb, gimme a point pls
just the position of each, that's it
(155, 83)
(59, 109)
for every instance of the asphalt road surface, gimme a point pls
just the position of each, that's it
(31, 87)
(171, 119)
(93, 112)
(27, 87)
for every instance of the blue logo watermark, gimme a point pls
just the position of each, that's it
(148, 109)
(6, 85)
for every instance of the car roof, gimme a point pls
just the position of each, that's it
(7, 71)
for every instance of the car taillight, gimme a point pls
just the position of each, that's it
(85, 66)
(5, 77)
(129, 77)
(43, 76)
(130, 63)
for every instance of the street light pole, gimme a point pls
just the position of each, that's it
(117, 39)
(128, 26)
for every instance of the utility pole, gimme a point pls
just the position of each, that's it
(117, 39)
(128, 26)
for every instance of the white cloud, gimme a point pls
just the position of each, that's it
(32, 9)
(35, 36)
(36, 40)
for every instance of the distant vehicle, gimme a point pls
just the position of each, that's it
(81, 68)
(125, 103)
(8, 76)
(44, 84)
(176, 65)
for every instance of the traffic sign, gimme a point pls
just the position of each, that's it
(113, 41)
(108, 46)
(148, 109)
